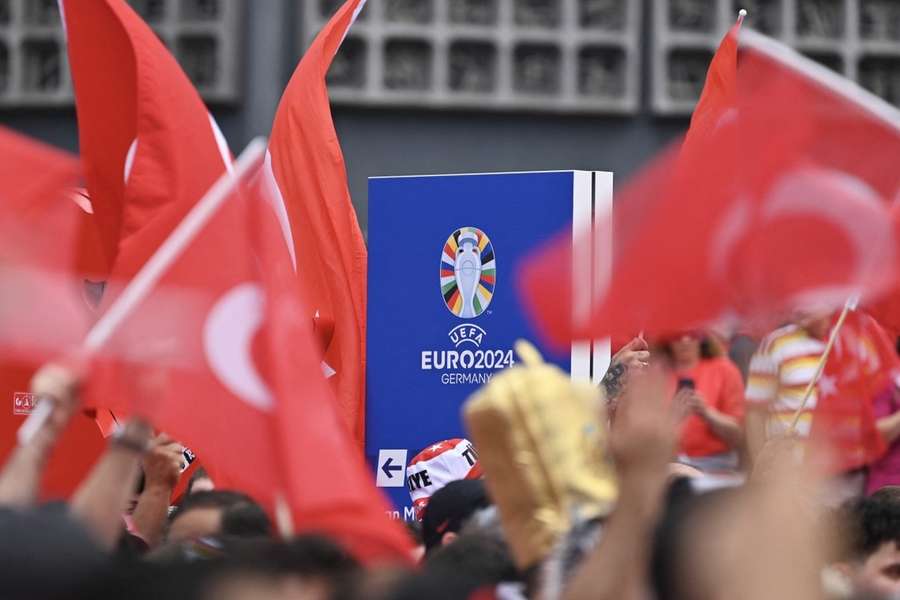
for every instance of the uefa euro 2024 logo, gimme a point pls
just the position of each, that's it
(468, 277)
(468, 272)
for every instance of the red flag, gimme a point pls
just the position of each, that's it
(748, 222)
(149, 146)
(887, 312)
(223, 331)
(720, 89)
(318, 217)
(862, 364)
(42, 312)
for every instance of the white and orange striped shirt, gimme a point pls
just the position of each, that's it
(780, 371)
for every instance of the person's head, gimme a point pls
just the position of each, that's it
(217, 512)
(677, 569)
(685, 347)
(478, 559)
(872, 551)
(688, 347)
(46, 553)
(200, 482)
(310, 567)
(481, 558)
(307, 568)
(436, 466)
(449, 509)
(816, 321)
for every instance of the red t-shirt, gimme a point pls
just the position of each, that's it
(719, 382)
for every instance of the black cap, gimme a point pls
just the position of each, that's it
(450, 507)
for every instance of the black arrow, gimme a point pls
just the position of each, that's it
(389, 467)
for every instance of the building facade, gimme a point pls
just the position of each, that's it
(437, 86)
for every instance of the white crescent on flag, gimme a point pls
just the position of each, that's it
(227, 338)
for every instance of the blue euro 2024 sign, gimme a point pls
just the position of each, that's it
(443, 303)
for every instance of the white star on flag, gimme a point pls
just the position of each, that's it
(327, 370)
(827, 385)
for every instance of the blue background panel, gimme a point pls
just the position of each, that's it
(410, 219)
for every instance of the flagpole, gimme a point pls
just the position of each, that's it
(283, 518)
(848, 306)
(149, 275)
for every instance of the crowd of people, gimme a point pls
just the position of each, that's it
(694, 470)
(702, 509)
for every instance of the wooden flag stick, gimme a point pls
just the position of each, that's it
(283, 518)
(172, 248)
(848, 306)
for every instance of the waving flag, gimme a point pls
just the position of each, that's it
(747, 222)
(149, 146)
(215, 326)
(317, 218)
(44, 253)
(719, 96)
(862, 364)
(41, 312)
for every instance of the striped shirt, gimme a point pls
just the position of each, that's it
(780, 371)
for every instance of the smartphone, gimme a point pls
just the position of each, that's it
(686, 383)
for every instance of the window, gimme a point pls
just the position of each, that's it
(558, 55)
(204, 35)
(862, 44)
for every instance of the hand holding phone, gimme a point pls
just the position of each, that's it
(686, 383)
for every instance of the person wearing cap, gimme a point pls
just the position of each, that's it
(449, 509)
(436, 466)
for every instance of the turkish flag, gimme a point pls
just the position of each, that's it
(862, 364)
(150, 147)
(315, 211)
(225, 349)
(45, 252)
(886, 310)
(784, 204)
(719, 96)
(41, 309)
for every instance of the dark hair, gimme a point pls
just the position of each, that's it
(480, 560)
(149, 581)
(314, 555)
(46, 553)
(670, 578)
(241, 516)
(307, 557)
(871, 522)
(414, 529)
(449, 508)
(130, 547)
(246, 519)
(210, 499)
(710, 347)
(435, 585)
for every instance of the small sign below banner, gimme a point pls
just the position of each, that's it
(23, 403)
(391, 468)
